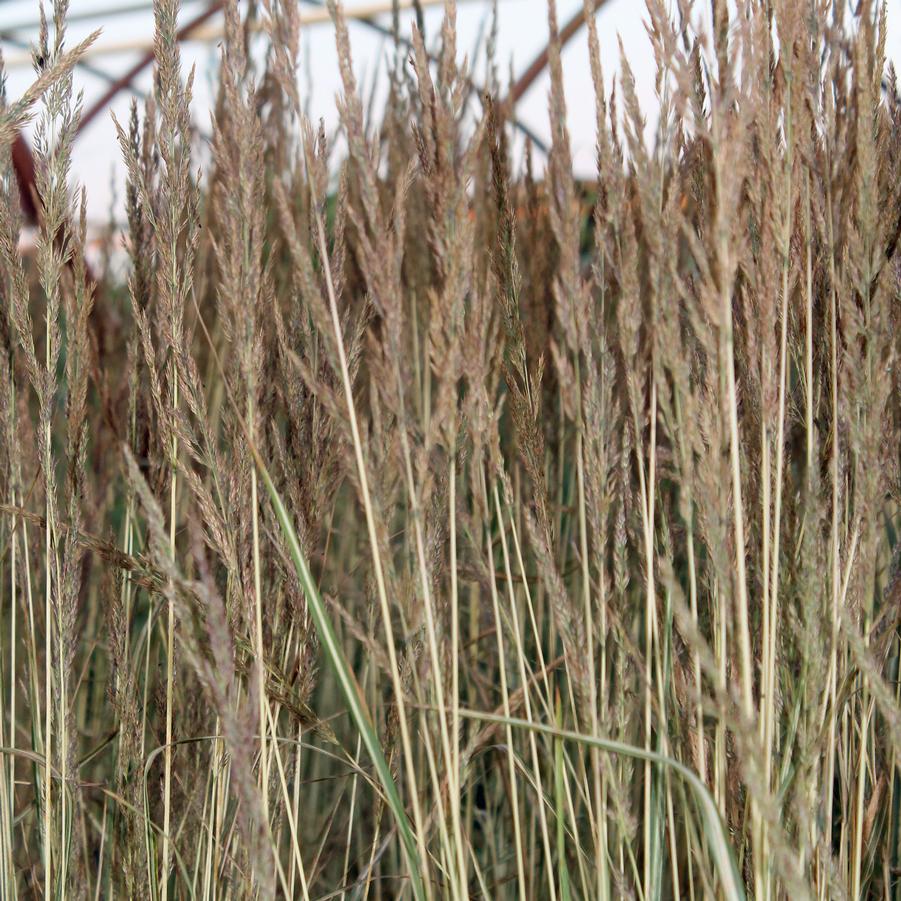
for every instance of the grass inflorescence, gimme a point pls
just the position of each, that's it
(404, 517)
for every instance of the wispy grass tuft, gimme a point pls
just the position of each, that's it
(398, 515)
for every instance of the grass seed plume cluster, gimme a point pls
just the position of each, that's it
(406, 518)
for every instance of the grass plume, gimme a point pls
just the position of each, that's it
(399, 515)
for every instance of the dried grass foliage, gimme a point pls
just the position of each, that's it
(407, 523)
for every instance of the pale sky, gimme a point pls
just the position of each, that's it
(522, 32)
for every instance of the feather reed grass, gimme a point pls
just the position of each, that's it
(412, 519)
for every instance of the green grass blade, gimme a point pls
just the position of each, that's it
(348, 684)
(713, 826)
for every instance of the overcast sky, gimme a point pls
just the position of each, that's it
(522, 33)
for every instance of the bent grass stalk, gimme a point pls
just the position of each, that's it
(722, 852)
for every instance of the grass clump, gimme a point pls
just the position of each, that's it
(412, 521)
